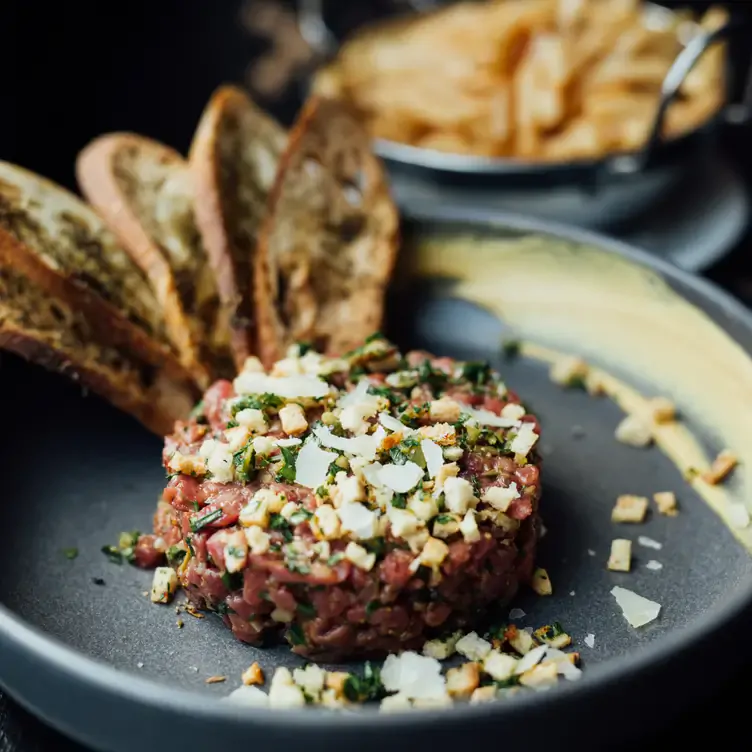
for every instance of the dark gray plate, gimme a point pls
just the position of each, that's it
(100, 662)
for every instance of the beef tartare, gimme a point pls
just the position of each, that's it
(356, 506)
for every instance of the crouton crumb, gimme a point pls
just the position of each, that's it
(665, 501)
(630, 509)
(253, 675)
(620, 559)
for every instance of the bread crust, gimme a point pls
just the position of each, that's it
(156, 408)
(97, 178)
(233, 158)
(108, 322)
(329, 242)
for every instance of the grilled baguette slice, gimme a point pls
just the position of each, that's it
(61, 244)
(234, 158)
(55, 335)
(329, 242)
(143, 191)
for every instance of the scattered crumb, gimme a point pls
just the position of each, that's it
(253, 675)
(140, 664)
(594, 385)
(216, 679)
(589, 640)
(663, 410)
(590, 552)
(180, 623)
(690, 474)
(193, 668)
(70, 553)
(98, 581)
(666, 503)
(630, 509)
(541, 582)
(517, 613)
(722, 466)
(578, 432)
(569, 372)
(543, 531)
(145, 593)
(654, 565)
(634, 432)
(643, 540)
(193, 612)
(620, 559)
(572, 592)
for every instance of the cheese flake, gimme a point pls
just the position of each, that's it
(312, 465)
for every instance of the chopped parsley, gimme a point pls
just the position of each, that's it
(335, 558)
(232, 580)
(243, 462)
(373, 337)
(295, 635)
(307, 610)
(176, 556)
(70, 553)
(511, 348)
(299, 516)
(257, 402)
(365, 688)
(303, 348)
(432, 377)
(372, 606)
(445, 519)
(113, 553)
(478, 373)
(287, 471)
(198, 411)
(207, 519)
(375, 545)
(281, 525)
(399, 500)
(386, 392)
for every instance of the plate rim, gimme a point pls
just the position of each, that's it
(34, 645)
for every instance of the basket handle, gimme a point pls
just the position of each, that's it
(685, 61)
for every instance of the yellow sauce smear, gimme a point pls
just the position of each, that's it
(623, 319)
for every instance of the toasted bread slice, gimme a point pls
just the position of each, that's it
(143, 190)
(329, 242)
(55, 335)
(234, 158)
(61, 244)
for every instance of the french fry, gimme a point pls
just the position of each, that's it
(550, 80)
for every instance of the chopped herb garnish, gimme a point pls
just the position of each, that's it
(257, 402)
(335, 559)
(307, 610)
(223, 609)
(375, 545)
(399, 500)
(299, 516)
(70, 553)
(98, 581)
(232, 424)
(287, 471)
(511, 348)
(397, 456)
(444, 519)
(373, 337)
(281, 525)
(189, 543)
(295, 635)
(303, 348)
(113, 553)
(196, 506)
(576, 382)
(207, 519)
(365, 688)
(372, 606)
(198, 411)
(477, 373)
(175, 556)
(386, 392)
(432, 377)
(243, 462)
(232, 580)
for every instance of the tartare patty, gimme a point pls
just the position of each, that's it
(357, 505)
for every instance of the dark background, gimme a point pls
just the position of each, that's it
(72, 70)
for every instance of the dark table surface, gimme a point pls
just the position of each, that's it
(83, 68)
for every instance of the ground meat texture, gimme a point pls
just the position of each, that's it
(295, 586)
